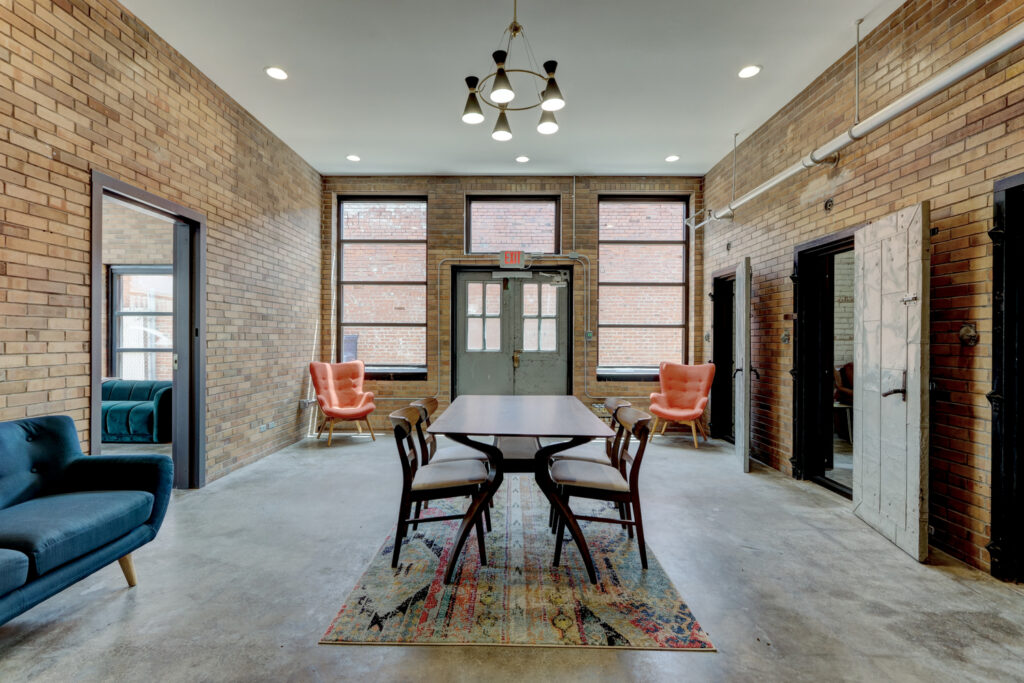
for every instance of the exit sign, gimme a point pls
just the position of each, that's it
(512, 259)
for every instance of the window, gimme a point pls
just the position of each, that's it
(141, 322)
(382, 290)
(496, 224)
(642, 290)
(540, 317)
(483, 316)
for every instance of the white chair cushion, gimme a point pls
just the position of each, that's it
(589, 475)
(458, 452)
(445, 474)
(581, 455)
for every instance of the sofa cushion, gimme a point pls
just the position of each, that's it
(128, 418)
(13, 570)
(53, 530)
(33, 454)
(132, 389)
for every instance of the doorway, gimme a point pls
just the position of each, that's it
(824, 297)
(723, 300)
(1007, 546)
(511, 332)
(148, 335)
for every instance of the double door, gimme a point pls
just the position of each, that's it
(511, 333)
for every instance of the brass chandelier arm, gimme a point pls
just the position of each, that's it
(483, 97)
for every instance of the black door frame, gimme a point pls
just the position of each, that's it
(453, 342)
(723, 348)
(1006, 548)
(189, 406)
(813, 380)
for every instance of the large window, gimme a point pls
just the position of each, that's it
(642, 288)
(141, 322)
(496, 224)
(382, 297)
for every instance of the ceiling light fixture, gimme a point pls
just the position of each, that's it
(276, 72)
(353, 157)
(522, 158)
(749, 71)
(672, 157)
(501, 92)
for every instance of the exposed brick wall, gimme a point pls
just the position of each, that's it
(446, 207)
(494, 229)
(842, 309)
(84, 85)
(948, 151)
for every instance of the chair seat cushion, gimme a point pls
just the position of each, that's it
(13, 570)
(457, 452)
(589, 475)
(350, 413)
(447, 474)
(583, 455)
(676, 414)
(53, 530)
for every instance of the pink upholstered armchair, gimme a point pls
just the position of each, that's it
(339, 392)
(683, 397)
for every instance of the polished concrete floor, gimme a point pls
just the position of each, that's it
(247, 573)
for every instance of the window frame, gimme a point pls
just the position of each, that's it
(114, 312)
(380, 372)
(644, 373)
(467, 246)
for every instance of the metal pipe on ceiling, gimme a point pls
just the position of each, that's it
(953, 74)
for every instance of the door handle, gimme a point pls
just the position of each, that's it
(736, 371)
(901, 390)
(515, 358)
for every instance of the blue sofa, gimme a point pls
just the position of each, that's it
(136, 411)
(63, 515)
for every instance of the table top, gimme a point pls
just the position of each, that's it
(550, 416)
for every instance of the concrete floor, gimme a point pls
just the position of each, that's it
(247, 573)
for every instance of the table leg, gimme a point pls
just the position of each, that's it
(562, 509)
(476, 507)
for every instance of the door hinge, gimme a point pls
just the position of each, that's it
(909, 298)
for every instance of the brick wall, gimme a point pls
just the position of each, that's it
(947, 151)
(842, 309)
(446, 207)
(85, 85)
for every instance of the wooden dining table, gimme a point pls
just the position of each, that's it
(549, 417)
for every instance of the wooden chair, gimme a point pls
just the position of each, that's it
(428, 443)
(581, 479)
(683, 397)
(340, 395)
(453, 479)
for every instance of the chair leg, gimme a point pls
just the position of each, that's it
(635, 503)
(370, 427)
(416, 514)
(320, 431)
(654, 426)
(128, 567)
(629, 516)
(693, 430)
(330, 434)
(403, 514)
(359, 427)
(487, 516)
(622, 516)
(559, 533)
(480, 540)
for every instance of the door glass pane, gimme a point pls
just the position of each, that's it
(146, 332)
(147, 293)
(530, 334)
(549, 300)
(474, 298)
(529, 299)
(547, 334)
(475, 334)
(493, 298)
(153, 365)
(493, 334)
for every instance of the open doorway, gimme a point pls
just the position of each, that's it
(824, 276)
(148, 334)
(723, 295)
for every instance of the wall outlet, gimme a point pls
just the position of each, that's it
(263, 428)
(589, 335)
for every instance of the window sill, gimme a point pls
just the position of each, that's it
(388, 373)
(627, 374)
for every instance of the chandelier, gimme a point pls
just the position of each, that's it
(501, 95)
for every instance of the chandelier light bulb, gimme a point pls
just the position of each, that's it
(502, 132)
(501, 91)
(551, 98)
(472, 114)
(547, 124)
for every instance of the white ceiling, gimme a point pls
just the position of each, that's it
(383, 79)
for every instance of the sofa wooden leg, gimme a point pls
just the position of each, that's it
(370, 427)
(128, 567)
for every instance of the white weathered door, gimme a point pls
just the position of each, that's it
(890, 400)
(741, 376)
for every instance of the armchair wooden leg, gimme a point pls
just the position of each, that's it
(128, 567)
(693, 430)
(370, 427)
(330, 434)
(664, 423)
(359, 427)
(320, 431)
(654, 427)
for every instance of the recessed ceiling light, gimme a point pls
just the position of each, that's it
(353, 157)
(522, 158)
(672, 157)
(749, 71)
(276, 72)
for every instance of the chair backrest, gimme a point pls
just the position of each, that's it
(337, 385)
(428, 442)
(406, 421)
(633, 425)
(612, 404)
(686, 386)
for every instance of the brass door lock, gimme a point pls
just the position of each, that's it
(515, 358)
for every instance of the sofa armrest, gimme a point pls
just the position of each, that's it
(163, 415)
(152, 473)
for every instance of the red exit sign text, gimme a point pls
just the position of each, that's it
(512, 259)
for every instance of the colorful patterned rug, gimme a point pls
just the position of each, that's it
(518, 598)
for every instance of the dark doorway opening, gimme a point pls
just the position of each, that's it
(1007, 546)
(823, 396)
(155, 331)
(723, 295)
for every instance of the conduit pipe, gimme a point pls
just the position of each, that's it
(953, 74)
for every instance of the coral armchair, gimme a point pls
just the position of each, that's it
(339, 392)
(683, 397)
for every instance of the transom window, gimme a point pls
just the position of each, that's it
(483, 316)
(382, 283)
(496, 224)
(142, 322)
(540, 317)
(642, 288)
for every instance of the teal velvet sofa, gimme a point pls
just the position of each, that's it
(136, 411)
(63, 515)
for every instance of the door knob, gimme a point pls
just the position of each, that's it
(515, 358)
